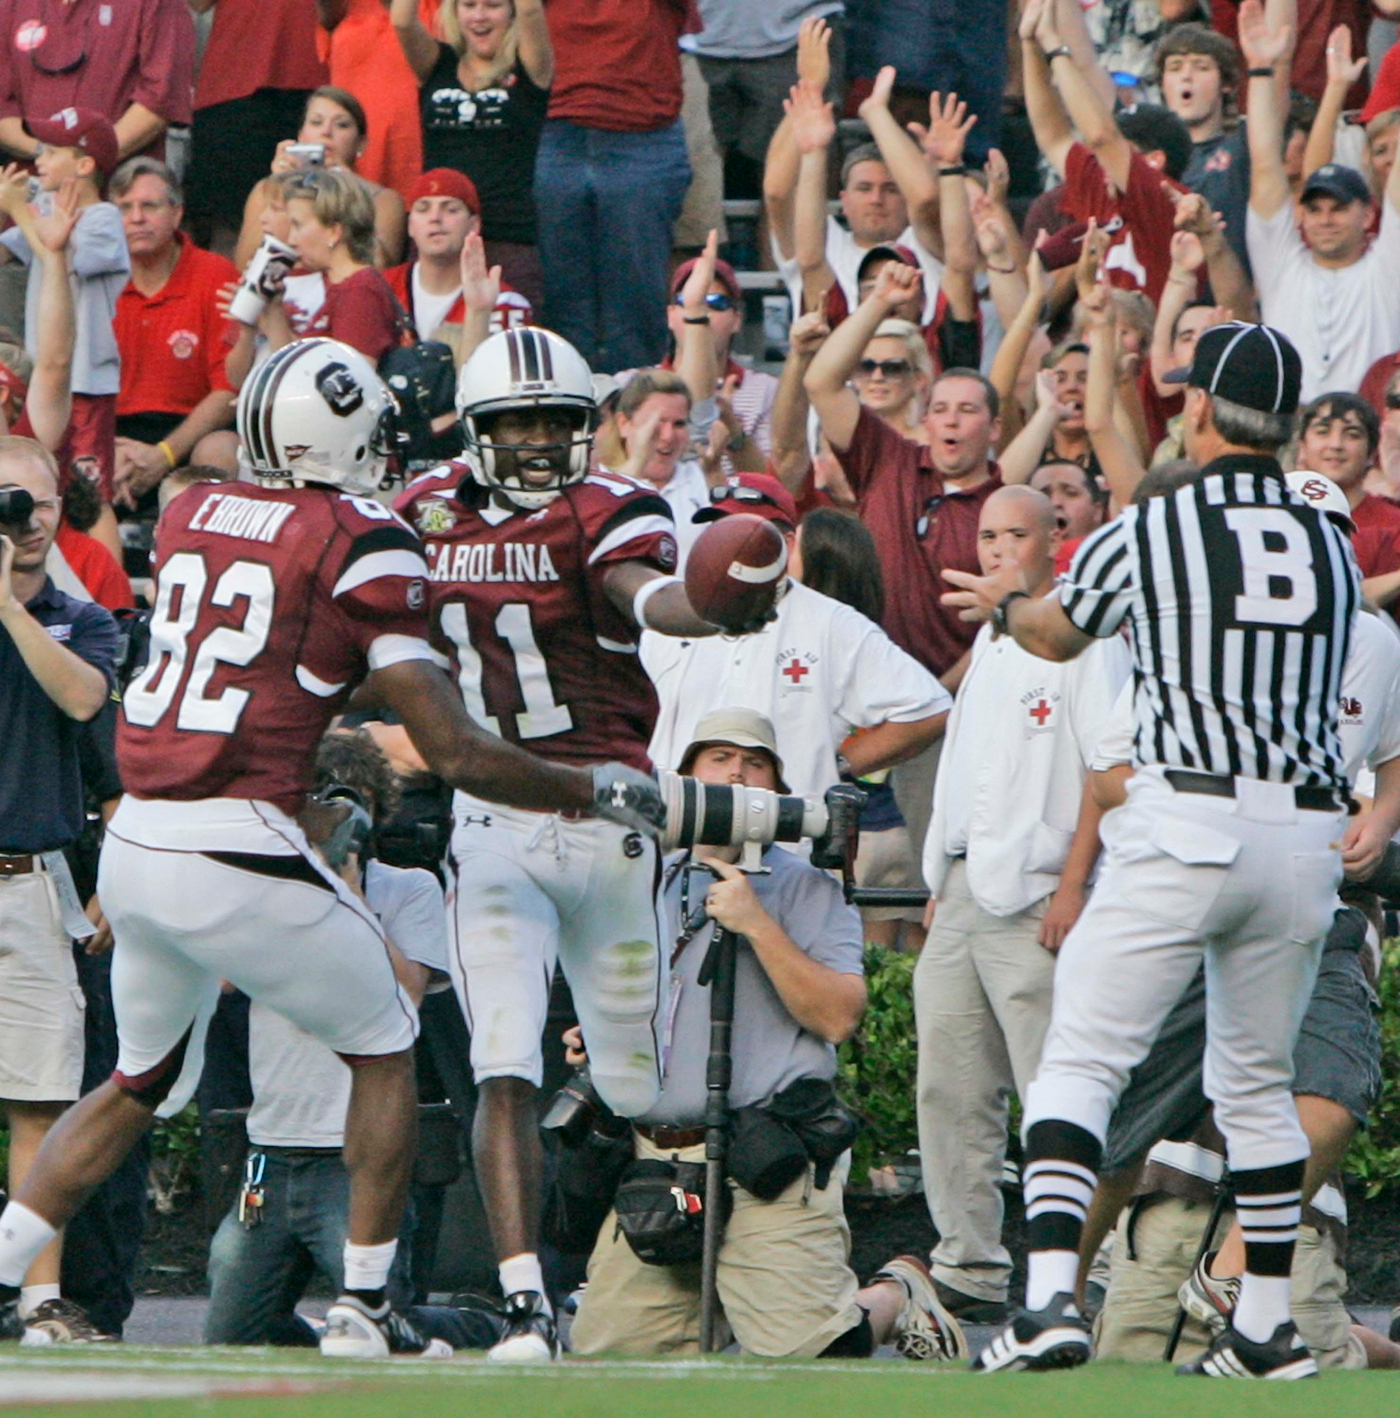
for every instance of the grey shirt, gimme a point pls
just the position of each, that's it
(100, 266)
(753, 29)
(769, 1047)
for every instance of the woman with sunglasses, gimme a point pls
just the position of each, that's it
(893, 378)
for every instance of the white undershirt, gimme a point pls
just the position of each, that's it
(429, 309)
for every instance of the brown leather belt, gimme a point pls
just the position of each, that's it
(671, 1137)
(17, 864)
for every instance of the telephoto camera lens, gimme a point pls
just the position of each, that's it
(704, 814)
(16, 507)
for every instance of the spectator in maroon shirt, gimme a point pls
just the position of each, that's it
(1339, 437)
(921, 502)
(130, 60)
(332, 231)
(611, 175)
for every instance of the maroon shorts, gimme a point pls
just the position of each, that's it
(91, 442)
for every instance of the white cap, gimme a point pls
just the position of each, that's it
(1322, 493)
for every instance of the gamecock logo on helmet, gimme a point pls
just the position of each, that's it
(340, 389)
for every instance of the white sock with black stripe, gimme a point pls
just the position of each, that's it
(1059, 1179)
(1269, 1205)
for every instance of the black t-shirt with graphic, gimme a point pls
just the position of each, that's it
(491, 135)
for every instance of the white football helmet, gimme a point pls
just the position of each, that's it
(521, 369)
(316, 411)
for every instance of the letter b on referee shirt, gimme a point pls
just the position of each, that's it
(1279, 586)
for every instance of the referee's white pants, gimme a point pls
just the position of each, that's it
(1250, 882)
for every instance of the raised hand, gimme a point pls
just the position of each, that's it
(813, 120)
(14, 190)
(896, 283)
(990, 231)
(808, 333)
(702, 275)
(56, 226)
(1030, 19)
(814, 52)
(1341, 70)
(1262, 45)
(481, 288)
(1100, 311)
(998, 175)
(879, 96)
(1091, 254)
(1188, 256)
(1047, 395)
(948, 126)
(1193, 214)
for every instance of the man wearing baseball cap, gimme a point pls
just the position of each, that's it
(79, 146)
(1331, 289)
(819, 672)
(443, 211)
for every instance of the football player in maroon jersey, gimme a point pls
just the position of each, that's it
(273, 601)
(541, 580)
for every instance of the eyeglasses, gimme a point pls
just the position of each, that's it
(929, 513)
(889, 368)
(737, 492)
(1392, 400)
(716, 300)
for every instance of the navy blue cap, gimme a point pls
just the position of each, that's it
(1254, 366)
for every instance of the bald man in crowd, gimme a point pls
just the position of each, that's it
(1009, 852)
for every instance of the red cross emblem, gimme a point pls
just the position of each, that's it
(1040, 713)
(796, 671)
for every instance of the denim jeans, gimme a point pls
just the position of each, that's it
(257, 1274)
(606, 204)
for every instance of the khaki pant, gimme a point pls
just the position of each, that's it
(1141, 1305)
(785, 1281)
(913, 782)
(982, 1004)
(41, 1004)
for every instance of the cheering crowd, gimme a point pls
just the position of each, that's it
(928, 293)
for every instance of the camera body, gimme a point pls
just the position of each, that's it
(16, 507)
(351, 834)
(310, 154)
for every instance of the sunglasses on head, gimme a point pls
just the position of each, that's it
(737, 492)
(716, 300)
(889, 368)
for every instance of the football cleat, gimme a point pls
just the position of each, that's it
(1056, 1337)
(530, 1335)
(11, 1326)
(1209, 1298)
(62, 1322)
(1232, 1356)
(354, 1331)
(924, 1327)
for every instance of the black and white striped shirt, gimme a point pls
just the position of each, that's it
(1240, 598)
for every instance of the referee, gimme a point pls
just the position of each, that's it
(1239, 598)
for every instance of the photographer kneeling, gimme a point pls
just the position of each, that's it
(784, 1278)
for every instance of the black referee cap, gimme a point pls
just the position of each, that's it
(1254, 366)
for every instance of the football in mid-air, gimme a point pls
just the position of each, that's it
(734, 570)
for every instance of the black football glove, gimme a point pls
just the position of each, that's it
(752, 627)
(626, 795)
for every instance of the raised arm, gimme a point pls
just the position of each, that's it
(695, 349)
(1228, 281)
(1006, 277)
(1265, 47)
(813, 130)
(907, 164)
(790, 456)
(1342, 73)
(1054, 134)
(1083, 102)
(536, 52)
(1178, 292)
(1122, 466)
(827, 382)
(1005, 373)
(419, 47)
(949, 125)
(781, 164)
(1022, 456)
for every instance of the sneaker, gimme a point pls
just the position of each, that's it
(1056, 1337)
(1209, 1298)
(530, 1335)
(968, 1308)
(925, 1328)
(62, 1322)
(1232, 1356)
(354, 1331)
(11, 1326)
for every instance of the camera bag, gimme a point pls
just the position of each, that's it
(826, 1126)
(661, 1210)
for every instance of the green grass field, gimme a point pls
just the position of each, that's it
(263, 1383)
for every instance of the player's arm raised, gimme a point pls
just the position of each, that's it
(463, 754)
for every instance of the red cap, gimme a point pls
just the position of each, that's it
(886, 250)
(81, 128)
(446, 182)
(724, 274)
(758, 494)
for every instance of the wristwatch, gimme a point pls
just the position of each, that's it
(999, 622)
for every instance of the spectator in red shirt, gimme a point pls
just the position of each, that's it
(1115, 174)
(331, 228)
(443, 212)
(176, 404)
(259, 66)
(1377, 383)
(921, 501)
(611, 175)
(1339, 437)
(130, 60)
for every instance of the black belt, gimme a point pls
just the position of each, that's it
(1307, 799)
(662, 1136)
